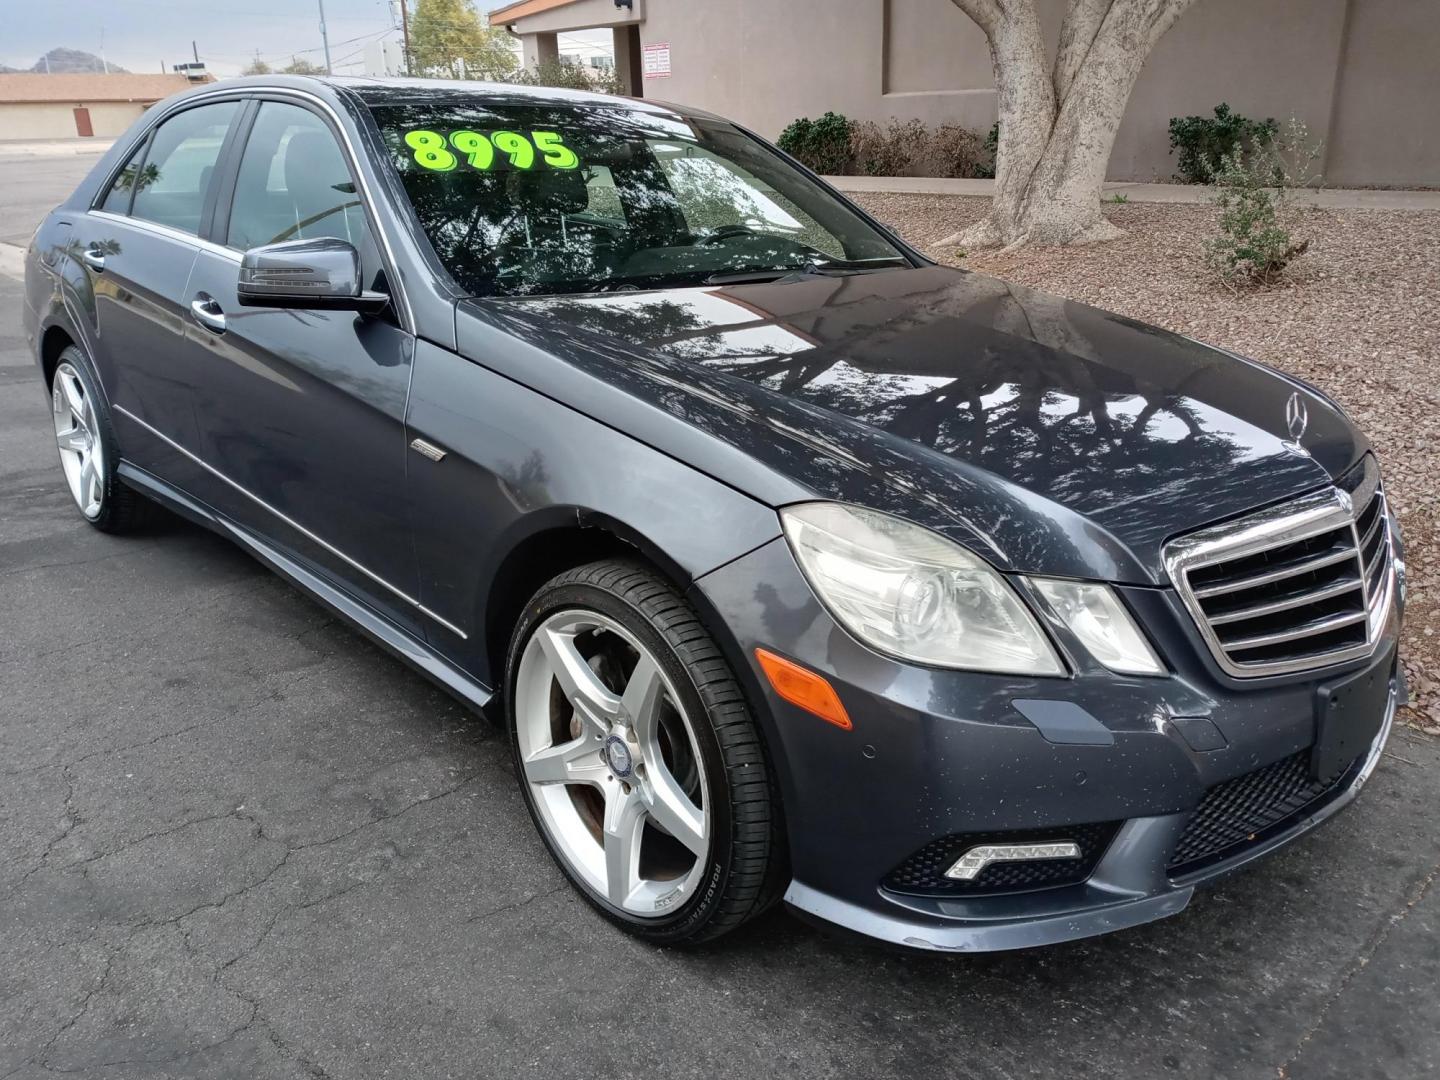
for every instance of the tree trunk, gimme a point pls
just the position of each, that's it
(1058, 126)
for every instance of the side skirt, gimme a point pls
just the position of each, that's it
(376, 627)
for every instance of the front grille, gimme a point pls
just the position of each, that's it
(923, 874)
(1294, 587)
(1248, 808)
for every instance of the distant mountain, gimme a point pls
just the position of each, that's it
(69, 62)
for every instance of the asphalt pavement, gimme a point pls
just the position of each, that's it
(237, 840)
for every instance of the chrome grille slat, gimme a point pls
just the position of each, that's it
(1320, 626)
(1318, 563)
(1340, 588)
(1293, 587)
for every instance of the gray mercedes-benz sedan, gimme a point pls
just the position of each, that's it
(793, 564)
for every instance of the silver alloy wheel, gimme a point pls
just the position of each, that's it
(612, 762)
(77, 430)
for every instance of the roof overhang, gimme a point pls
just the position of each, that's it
(559, 16)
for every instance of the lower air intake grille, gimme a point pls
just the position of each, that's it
(1239, 811)
(923, 874)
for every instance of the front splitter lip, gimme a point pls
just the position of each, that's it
(1129, 887)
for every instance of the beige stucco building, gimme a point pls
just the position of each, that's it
(67, 106)
(1362, 74)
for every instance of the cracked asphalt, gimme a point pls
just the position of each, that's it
(236, 840)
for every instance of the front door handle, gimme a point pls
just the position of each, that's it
(94, 258)
(208, 313)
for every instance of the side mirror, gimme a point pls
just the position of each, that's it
(322, 273)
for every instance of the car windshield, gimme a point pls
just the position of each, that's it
(530, 199)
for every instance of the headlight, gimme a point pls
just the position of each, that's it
(913, 594)
(1095, 615)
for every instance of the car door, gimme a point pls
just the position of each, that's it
(302, 412)
(138, 245)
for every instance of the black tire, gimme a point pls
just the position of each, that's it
(747, 857)
(122, 508)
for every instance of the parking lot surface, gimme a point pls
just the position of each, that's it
(236, 840)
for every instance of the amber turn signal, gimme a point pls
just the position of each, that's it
(801, 686)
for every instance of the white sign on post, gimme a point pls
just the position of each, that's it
(655, 61)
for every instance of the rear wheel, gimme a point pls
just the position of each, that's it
(638, 757)
(88, 453)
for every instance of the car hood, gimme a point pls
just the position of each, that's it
(950, 386)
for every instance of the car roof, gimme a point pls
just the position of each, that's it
(403, 91)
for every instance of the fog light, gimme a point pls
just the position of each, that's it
(970, 865)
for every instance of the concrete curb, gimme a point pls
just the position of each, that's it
(1328, 199)
(55, 148)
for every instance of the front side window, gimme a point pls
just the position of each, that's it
(171, 185)
(293, 183)
(526, 199)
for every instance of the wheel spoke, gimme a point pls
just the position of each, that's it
(642, 697)
(71, 388)
(581, 686)
(88, 480)
(624, 821)
(574, 762)
(668, 805)
(73, 440)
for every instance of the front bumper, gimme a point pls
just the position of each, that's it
(933, 754)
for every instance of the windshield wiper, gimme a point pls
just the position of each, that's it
(820, 264)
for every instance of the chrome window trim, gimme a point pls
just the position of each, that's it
(294, 524)
(260, 92)
(1298, 519)
(169, 232)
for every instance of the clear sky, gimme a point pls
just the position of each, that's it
(143, 34)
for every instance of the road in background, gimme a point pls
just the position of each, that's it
(34, 177)
(238, 841)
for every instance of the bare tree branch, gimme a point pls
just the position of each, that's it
(987, 14)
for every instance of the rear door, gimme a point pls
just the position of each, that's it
(138, 245)
(303, 411)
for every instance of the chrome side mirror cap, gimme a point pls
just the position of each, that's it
(323, 273)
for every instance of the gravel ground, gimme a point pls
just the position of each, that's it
(1357, 320)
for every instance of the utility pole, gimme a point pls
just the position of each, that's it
(405, 31)
(325, 38)
(194, 50)
(103, 62)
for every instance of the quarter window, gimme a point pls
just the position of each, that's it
(294, 183)
(171, 184)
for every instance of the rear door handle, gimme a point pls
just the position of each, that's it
(208, 313)
(94, 258)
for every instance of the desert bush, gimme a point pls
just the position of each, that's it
(1255, 243)
(823, 144)
(1202, 142)
(567, 76)
(900, 148)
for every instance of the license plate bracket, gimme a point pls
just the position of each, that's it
(1348, 716)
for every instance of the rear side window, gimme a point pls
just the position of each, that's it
(117, 199)
(294, 183)
(171, 185)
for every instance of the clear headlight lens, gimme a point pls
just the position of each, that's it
(1096, 616)
(913, 594)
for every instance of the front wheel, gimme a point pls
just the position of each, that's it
(638, 757)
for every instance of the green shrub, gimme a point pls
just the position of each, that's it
(989, 152)
(1203, 142)
(823, 144)
(1255, 244)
